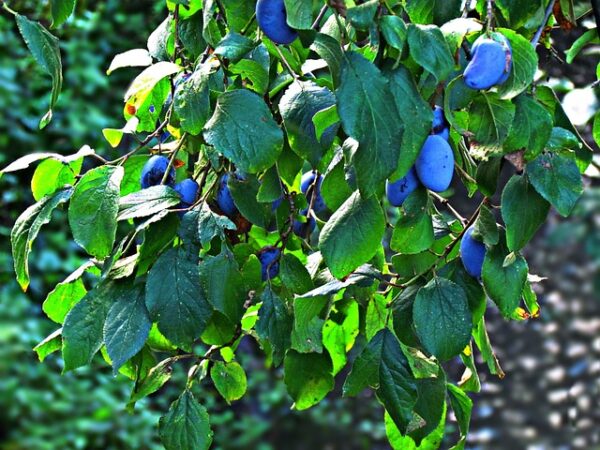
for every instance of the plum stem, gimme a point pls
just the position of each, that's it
(286, 64)
(538, 33)
(490, 15)
(317, 21)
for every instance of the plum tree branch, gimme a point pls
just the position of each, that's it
(538, 33)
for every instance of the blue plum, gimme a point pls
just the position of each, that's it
(276, 204)
(435, 164)
(472, 254)
(440, 125)
(308, 180)
(271, 16)
(304, 229)
(269, 261)
(188, 191)
(399, 190)
(154, 171)
(491, 62)
(224, 198)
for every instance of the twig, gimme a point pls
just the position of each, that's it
(490, 14)
(538, 33)
(244, 30)
(172, 158)
(317, 21)
(446, 202)
(286, 64)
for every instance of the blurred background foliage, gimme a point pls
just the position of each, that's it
(549, 400)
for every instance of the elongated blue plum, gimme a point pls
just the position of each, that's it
(308, 179)
(440, 125)
(188, 191)
(271, 17)
(435, 164)
(269, 261)
(472, 254)
(154, 171)
(304, 229)
(399, 190)
(224, 198)
(491, 62)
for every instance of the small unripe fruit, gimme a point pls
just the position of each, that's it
(472, 254)
(154, 171)
(435, 164)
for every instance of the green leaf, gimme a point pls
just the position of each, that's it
(414, 230)
(329, 49)
(93, 210)
(531, 128)
(462, 406)
(175, 299)
(486, 226)
(335, 189)
(490, 120)
(255, 74)
(377, 316)
(383, 366)
(222, 284)
(142, 85)
(275, 324)
(26, 229)
(455, 272)
(442, 318)
(244, 131)
(52, 343)
(416, 116)
(557, 179)
(127, 327)
(156, 378)
(363, 274)
(361, 16)
(596, 128)
(436, 11)
(186, 426)
(245, 192)
(298, 106)
(358, 221)
(229, 379)
(368, 112)
(157, 238)
(83, 327)
(46, 52)
(62, 299)
(589, 37)
(518, 12)
(211, 225)
(339, 335)
(430, 405)
(504, 284)
(307, 334)
(308, 377)
(234, 46)
(299, 13)
(61, 11)
(147, 202)
(523, 211)
(192, 102)
(430, 50)
(525, 63)
(294, 275)
(394, 31)
(52, 175)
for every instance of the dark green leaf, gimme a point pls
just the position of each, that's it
(414, 230)
(368, 112)
(175, 299)
(298, 106)
(275, 324)
(245, 192)
(299, 13)
(430, 50)
(234, 46)
(243, 130)
(394, 31)
(358, 221)
(490, 120)
(46, 52)
(362, 15)
(127, 327)
(531, 128)
(523, 211)
(329, 49)
(93, 210)
(557, 179)
(192, 102)
(518, 12)
(362, 275)
(442, 318)
(211, 225)
(525, 63)
(436, 11)
(152, 382)
(462, 406)
(186, 426)
(61, 11)
(307, 334)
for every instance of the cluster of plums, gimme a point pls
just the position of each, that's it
(434, 167)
